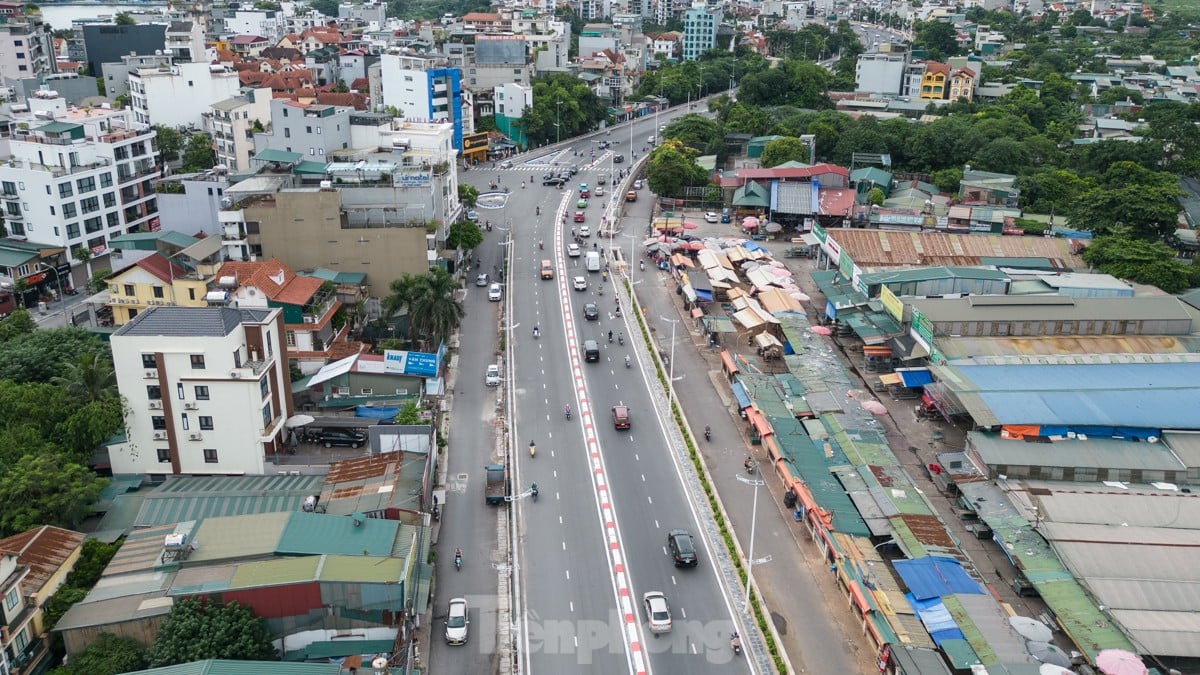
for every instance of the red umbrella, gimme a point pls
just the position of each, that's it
(820, 330)
(694, 246)
(689, 225)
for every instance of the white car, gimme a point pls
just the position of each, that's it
(492, 377)
(573, 250)
(585, 231)
(494, 293)
(710, 217)
(658, 612)
(598, 192)
(481, 280)
(579, 283)
(457, 622)
(637, 184)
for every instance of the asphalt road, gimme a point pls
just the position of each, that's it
(570, 592)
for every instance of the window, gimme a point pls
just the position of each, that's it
(191, 293)
(158, 291)
(148, 361)
(308, 130)
(128, 289)
(106, 180)
(11, 599)
(154, 392)
(287, 133)
(198, 361)
(72, 230)
(266, 415)
(201, 392)
(158, 422)
(64, 190)
(264, 387)
(206, 422)
(164, 455)
(110, 200)
(86, 184)
(113, 219)
(210, 456)
(89, 205)
(93, 225)
(13, 209)
(10, 188)
(69, 210)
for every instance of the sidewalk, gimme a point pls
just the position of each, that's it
(809, 613)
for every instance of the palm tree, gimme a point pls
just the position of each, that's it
(435, 313)
(91, 378)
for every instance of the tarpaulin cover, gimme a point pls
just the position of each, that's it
(934, 576)
(915, 377)
(937, 619)
(376, 413)
(1017, 432)
(752, 246)
(739, 393)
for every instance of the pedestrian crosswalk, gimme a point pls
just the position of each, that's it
(558, 162)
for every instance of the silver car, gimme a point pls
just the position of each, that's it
(658, 612)
(457, 622)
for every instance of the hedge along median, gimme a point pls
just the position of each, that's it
(718, 511)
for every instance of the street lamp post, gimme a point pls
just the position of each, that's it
(753, 521)
(632, 239)
(671, 365)
(557, 123)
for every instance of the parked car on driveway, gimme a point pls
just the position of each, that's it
(351, 438)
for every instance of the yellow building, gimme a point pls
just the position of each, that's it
(935, 80)
(151, 282)
(962, 84)
(43, 558)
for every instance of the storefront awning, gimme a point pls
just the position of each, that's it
(915, 377)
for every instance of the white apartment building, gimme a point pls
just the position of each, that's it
(26, 48)
(73, 178)
(268, 24)
(312, 129)
(179, 96)
(880, 73)
(231, 123)
(206, 390)
(185, 41)
(424, 89)
(116, 74)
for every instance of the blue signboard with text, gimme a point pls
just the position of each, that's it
(415, 364)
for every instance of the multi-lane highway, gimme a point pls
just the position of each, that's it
(596, 539)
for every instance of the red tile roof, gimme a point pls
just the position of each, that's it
(934, 67)
(162, 268)
(247, 39)
(45, 550)
(480, 16)
(360, 84)
(276, 280)
(350, 99)
(796, 172)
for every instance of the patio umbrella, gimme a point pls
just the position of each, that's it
(820, 330)
(1031, 629)
(1048, 653)
(750, 219)
(801, 297)
(1120, 662)
(875, 407)
(1051, 669)
(694, 246)
(299, 421)
(649, 241)
(689, 225)
(772, 228)
(749, 226)
(781, 272)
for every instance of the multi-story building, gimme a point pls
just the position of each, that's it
(185, 41)
(26, 46)
(48, 553)
(313, 334)
(422, 89)
(231, 123)
(267, 23)
(107, 43)
(153, 281)
(936, 80)
(116, 75)
(77, 177)
(188, 203)
(962, 84)
(880, 73)
(179, 96)
(509, 103)
(310, 129)
(207, 390)
(588, 10)
(699, 31)
(18, 643)
(367, 12)
(499, 59)
(596, 38)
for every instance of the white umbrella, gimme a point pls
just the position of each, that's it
(802, 297)
(1051, 669)
(299, 421)
(1031, 629)
(772, 228)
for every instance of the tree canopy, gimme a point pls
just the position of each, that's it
(672, 167)
(108, 655)
(196, 630)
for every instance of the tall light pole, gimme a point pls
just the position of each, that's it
(753, 521)
(632, 240)
(557, 123)
(671, 365)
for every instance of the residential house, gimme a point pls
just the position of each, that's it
(699, 31)
(49, 553)
(26, 47)
(19, 644)
(962, 84)
(185, 41)
(935, 80)
(232, 123)
(249, 46)
(154, 280)
(665, 44)
(179, 96)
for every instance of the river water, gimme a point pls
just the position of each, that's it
(59, 16)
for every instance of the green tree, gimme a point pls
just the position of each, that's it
(696, 131)
(124, 19)
(875, 196)
(410, 413)
(1003, 155)
(44, 489)
(468, 195)
(327, 7)
(938, 38)
(197, 630)
(672, 167)
(108, 655)
(464, 234)
(90, 378)
(436, 313)
(1146, 262)
(199, 154)
(41, 355)
(16, 324)
(1118, 94)
(169, 141)
(94, 556)
(1150, 212)
(786, 149)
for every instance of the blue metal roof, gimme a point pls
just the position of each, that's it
(1151, 395)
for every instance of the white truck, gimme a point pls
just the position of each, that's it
(592, 261)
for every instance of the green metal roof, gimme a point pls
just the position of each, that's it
(276, 572)
(15, 258)
(355, 278)
(317, 533)
(872, 174)
(148, 241)
(195, 497)
(363, 569)
(230, 667)
(232, 537)
(751, 194)
(1034, 263)
(279, 156)
(929, 274)
(58, 127)
(309, 166)
(334, 649)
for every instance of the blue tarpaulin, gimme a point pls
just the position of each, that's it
(751, 245)
(914, 377)
(936, 618)
(376, 413)
(739, 393)
(935, 576)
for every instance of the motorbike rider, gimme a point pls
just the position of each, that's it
(707, 433)
(628, 363)
(621, 338)
(533, 490)
(567, 410)
(536, 331)
(458, 557)
(610, 336)
(749, 463)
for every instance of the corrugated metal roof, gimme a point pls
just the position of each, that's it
(885, 248)
(1108, 453)
(230, 667)
(276, 572)
(318, 533)
(930, 273)
(1071, 347)
(232, 537)
(1185, 445)
(196, 497)
(364, 569)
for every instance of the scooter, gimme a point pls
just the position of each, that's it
(707, 433)
(567, 413)
(735, 643)
(749, 465)
(628, 363)
(437, 512)
(533, 492)
(621, 339)
(458, 564)
(532, 449)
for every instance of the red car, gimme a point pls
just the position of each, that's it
(620, 414)
(580, 216)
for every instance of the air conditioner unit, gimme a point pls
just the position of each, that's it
(156, 405)
(151, 374)
(234, 374)
(160, 435)
(195, 437)
(190, 406)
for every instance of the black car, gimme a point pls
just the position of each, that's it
(554, 181)
(682, 548)
(618, 159)
(573, 170)
(591, 312)
(344, 437)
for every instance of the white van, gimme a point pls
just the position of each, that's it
(592, 261)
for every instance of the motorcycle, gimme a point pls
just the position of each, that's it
(437, 512)
(532, 449)
(610, 337)
(537, 210)
(567, 413)
(628, 362)
(458, 561)
(533, 492)
(642, 265)
(621, 339)
(71, 291)
(536, 333)
(707, 433)
(749, 465)
(735, 643)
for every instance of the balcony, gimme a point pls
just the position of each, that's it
(57, 170)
